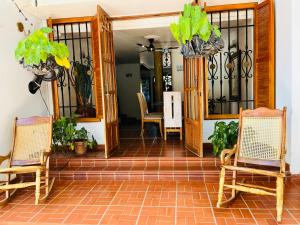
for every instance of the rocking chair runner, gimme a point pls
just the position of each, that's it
(261, 141)
(31, 147)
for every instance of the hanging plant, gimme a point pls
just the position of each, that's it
(46, 59)
(194, 32)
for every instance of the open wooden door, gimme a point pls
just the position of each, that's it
(264, 79)
(193, 79)
(102, 36)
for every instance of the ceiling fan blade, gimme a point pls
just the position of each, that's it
(173, 47)
(141, 45)
(144, 51)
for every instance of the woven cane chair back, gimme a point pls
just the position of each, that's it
(32, 138)
(261, 136)
(143, 104)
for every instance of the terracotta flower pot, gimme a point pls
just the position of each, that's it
(80, 147)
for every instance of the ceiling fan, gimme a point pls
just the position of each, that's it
(151, 47)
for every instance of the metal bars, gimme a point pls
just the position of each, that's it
(230, 72)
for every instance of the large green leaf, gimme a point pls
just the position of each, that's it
(187, 10)
(37, 47)
(46, 30)
(216, 30)
(175, 31)
(185, 29)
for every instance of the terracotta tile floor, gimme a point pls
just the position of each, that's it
(149, 203)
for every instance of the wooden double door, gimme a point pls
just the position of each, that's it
(193, 80)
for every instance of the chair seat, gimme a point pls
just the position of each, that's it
(21, 169)
(156, 113)
(151, 116)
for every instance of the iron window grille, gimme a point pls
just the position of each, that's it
(76, 88)
(230, 73)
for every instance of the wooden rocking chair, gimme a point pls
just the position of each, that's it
(261, 141)
(31, 147)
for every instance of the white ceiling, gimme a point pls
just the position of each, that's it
(75, 8)
(125, 42)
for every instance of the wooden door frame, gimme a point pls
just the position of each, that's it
(54, 87)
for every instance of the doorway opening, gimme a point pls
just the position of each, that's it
(148, 61)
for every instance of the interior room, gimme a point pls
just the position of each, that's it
(136, 51)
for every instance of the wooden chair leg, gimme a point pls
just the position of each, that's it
(180, 134)
(221, 187)
(37, 186)
(160, 129)
(142, 128)
(165, 134)
(279, 197)
(7, 192)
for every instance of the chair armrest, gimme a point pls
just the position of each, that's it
(3, 158)
(44, 157)
(226, 155)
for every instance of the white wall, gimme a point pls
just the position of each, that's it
(283, 9)
(95, 129)
(15, 97)
(177, 71)
(295, 82)
(127, 89)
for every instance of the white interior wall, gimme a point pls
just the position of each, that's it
(15, 97)
(127, 89)
(284, 74)
(294, 6)
(177, 71)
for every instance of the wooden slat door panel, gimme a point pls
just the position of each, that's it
(108, 81)
(264, 79)
(96, 64)
(193, 75)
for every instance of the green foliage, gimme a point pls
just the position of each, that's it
(193, 22)
(65, 134)
(37, 47)
(64, 131)
(224, 136)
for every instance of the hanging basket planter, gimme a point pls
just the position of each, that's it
(196, 35)
(46, 59)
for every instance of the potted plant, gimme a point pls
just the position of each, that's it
(67, 137)
(82, 142)
(224, 136)
(63, 134)
(82, 79)
(46, 59)
(194, 32)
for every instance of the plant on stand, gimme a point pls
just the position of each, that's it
(224, 136)
(82, 81)
(196, 35)
(44, 58)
